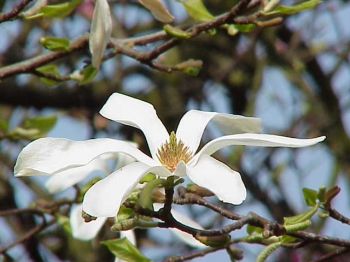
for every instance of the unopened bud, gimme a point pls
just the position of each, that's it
(133, 223)
(201, 191)
(87, 218)
(158, 197)
(234, 253)
(214, 241)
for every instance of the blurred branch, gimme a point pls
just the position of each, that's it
(122, 46)
(12, 14)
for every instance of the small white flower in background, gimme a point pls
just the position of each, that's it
(172, 155)
(100, 33)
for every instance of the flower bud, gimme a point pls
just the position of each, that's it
(214, 241)
(201, 191)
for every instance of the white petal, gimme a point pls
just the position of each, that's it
(101, 29)
(139, 114)
(50, 155)
(224, 182)
(63, 180)
(158, 10)
(193, 123)
(187, 238)
(82, 230)
(124, 160)
(180, 170)
(255, 140)
(104, 198)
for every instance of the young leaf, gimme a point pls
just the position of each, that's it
(197, 10)
(55, 43)
(59, 10)
(85, 75)
(148, 177)
(124, 213)
(310, 196)
(145, 199)
(49, 69)
(252, 229)
(190, 67)
(288, 10)
(175, 32)
(300, 217)
(267, 251)
(123, 249)
(42, 123)
(232, 29)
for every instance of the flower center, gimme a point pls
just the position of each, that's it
(172, 152)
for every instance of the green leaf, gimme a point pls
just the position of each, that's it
(252, 229)
(310, 196)
(148, 177)
(145, 198)
(125, 250)
(288, 10)
(300, 217)
(29, 134)
(266, 252)
(124, 213)
(49, 69)
(59, 10)
(190, 67)
(287, 239)
(42, 123)
(176, 32)
(233, 29)
(197, 10)
(85, 75)
(55, 43)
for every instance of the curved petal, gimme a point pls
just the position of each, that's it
(101, 29)
(82, 230)
(224, 182)
(104, 198)
(193, 123)
(51, 155)
(124, 160)
(255, 140)
(187, 238)
(139, 114)
(65, 179)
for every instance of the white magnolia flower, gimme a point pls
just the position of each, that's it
(174, 155)
(100, 33)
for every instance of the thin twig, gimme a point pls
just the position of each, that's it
(12, 14)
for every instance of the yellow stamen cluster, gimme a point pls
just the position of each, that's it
(172, 152)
